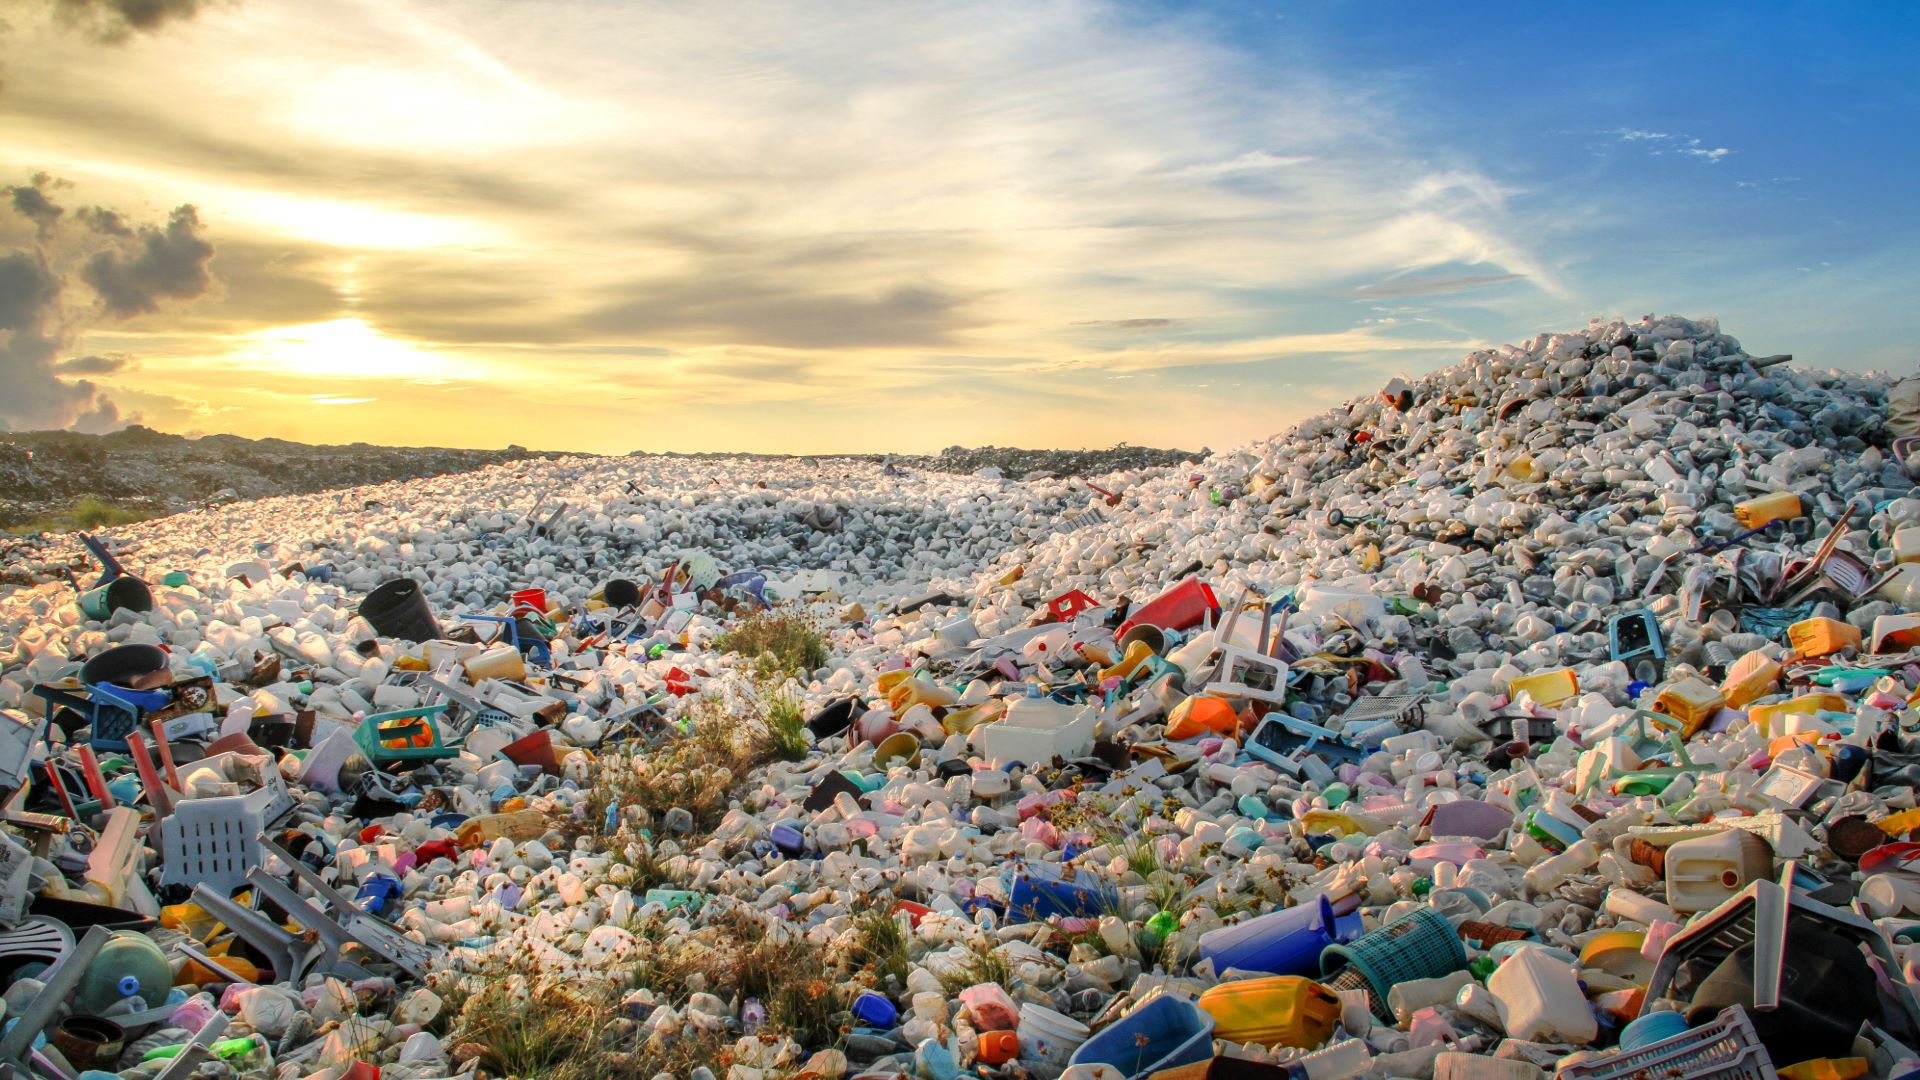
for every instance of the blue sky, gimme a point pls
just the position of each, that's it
(616, 224)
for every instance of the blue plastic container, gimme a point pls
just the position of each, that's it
(875, 1010)
(1039, 891)
(1652, 1028)
(1286, 942)
(788, 838)
(1165, 1033)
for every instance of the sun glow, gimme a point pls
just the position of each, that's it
(345, 348)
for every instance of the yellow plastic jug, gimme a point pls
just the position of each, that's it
(1692, 701)
(1821, 637)
(911, 692)
(1749, 679)
(1282, 1010)
(1765, 716)
(1779, 506)
(1137, 653)
(1549, 688)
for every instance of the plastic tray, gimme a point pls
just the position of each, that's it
(1724, 1048)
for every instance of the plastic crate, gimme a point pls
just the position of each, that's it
(214, 841)
(1724, 1048)
(1422, 945)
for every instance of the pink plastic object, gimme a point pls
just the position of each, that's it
(1181, 607)
(990, 1007)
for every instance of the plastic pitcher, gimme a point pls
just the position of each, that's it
(1164, 1033)
(1286, 942)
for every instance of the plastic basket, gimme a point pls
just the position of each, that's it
(215, 841)
(1724, 1048)
(1422, 945)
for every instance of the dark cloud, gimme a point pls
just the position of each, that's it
(92, 365)
(169, 263)
(778, 313)
(103, 221)
(116, 20)
(1430, 286)
(40, 315)
(1130, 324)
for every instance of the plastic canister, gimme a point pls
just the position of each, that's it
(1540, 1000)
(1821, 636)
(1706, 870)
(990, 1007)
(1282, 1010)
(1692, 701)
(1767, 509)
(1048, 1036)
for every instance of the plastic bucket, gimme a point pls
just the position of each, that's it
(1179, 608)
(90, 1042)
(1049, 1036)
(533, 599)
(834, 717)
(620, 593)
(398, 609)
(1165, 1033)
(899, 748)
(1288, 942)
(122, 664)
(128, 593)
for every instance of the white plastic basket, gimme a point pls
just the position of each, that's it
(1724, 1048)
(212, 841)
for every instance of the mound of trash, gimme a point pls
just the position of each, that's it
(1552, 714)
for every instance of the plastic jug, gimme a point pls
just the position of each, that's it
(1821, 637)
(1703, 872)
(1283, 1010)
(1549, 688)
(1692, 701)
(1765, 717)
(1749, 679)
(1767, 509)
(1906, 545)
(1540, 1000)
(1286, 942)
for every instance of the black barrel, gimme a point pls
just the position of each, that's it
(399, 609)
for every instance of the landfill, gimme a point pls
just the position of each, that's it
(1552, 714)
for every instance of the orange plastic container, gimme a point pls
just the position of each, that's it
(1749, 679)
(1281, 1010)
(1821, 637)
(1779, 506)
(1692, 701)
(1549, 688)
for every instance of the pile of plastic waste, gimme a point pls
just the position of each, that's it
(1549, 715)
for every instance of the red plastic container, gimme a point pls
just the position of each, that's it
(535, 599)
(1179, 608)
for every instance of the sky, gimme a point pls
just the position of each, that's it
(613, 225)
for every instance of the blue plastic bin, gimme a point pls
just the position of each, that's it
(1286, 942)
(1165, 1033)
(1039, 891)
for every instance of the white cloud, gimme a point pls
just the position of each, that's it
(1660, 143)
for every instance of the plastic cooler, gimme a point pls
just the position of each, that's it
(1422, 945)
